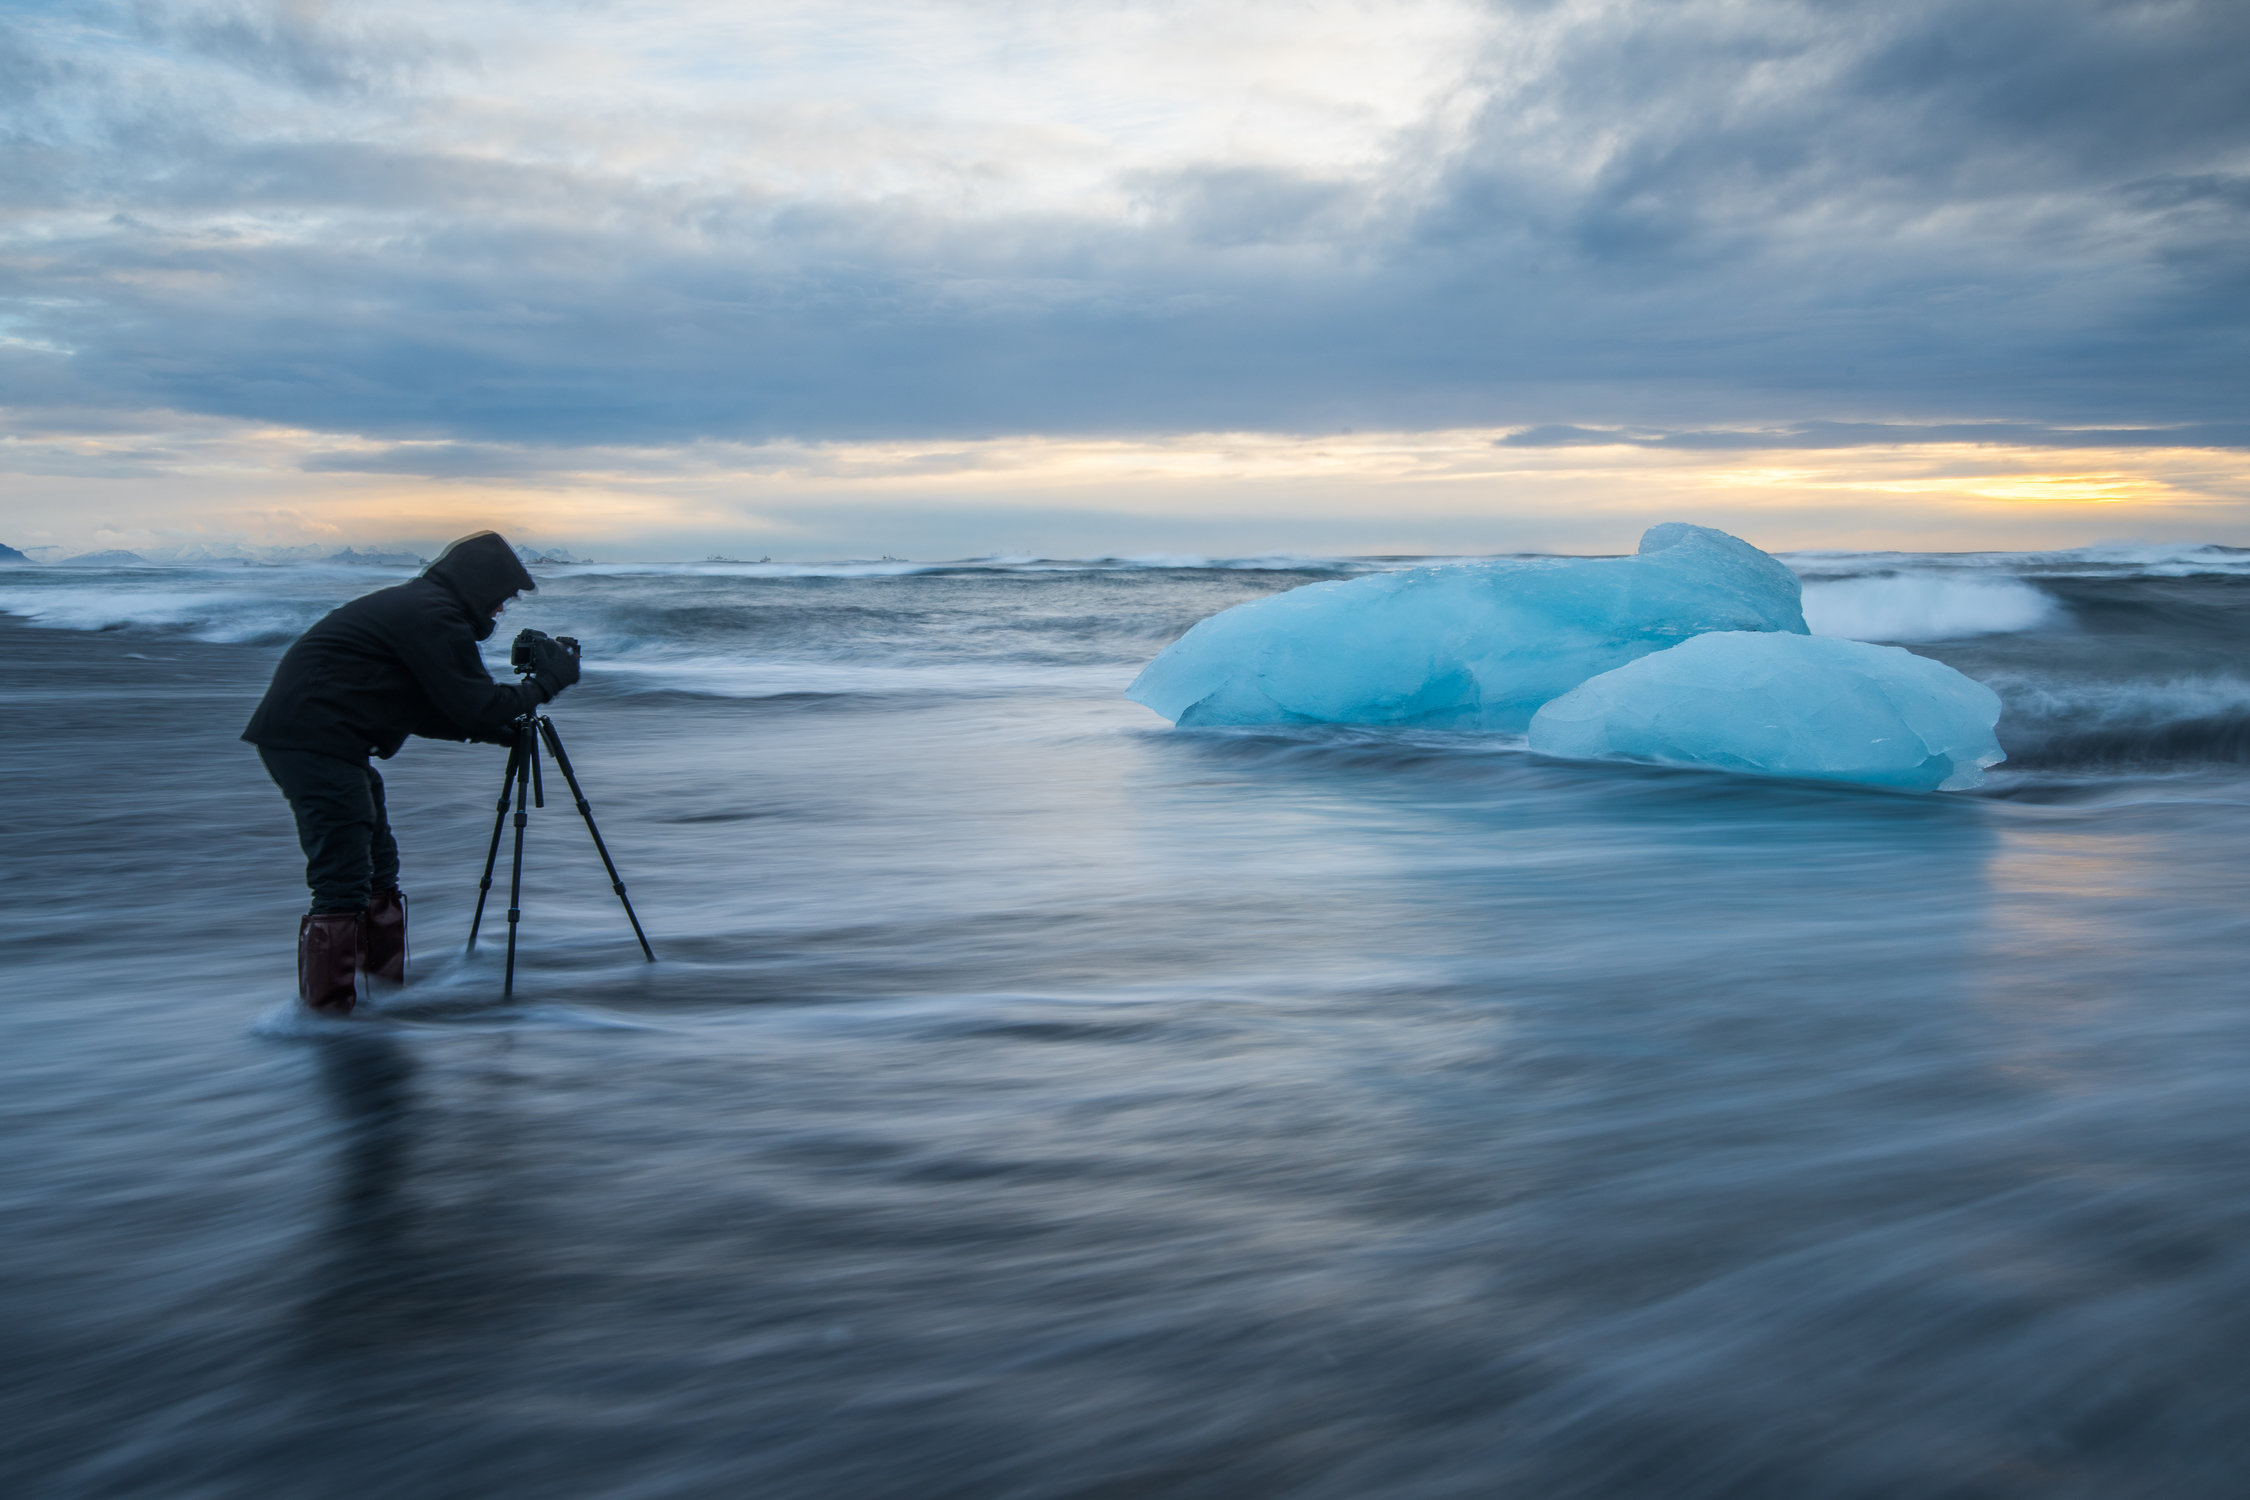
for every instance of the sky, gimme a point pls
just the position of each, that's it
(949, 279)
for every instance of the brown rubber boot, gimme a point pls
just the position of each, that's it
(383, 952)
(328, 948)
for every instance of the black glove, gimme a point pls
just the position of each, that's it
(553, 666)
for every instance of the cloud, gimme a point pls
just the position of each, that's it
(1816, 436)
(181, 475)
(1231, 206)
(471, 227)
(307, 45)
(434, 461)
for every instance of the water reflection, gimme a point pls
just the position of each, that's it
(369, 1082)
(427, 1259)
(365, 1254)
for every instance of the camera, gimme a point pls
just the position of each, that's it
(519, 653)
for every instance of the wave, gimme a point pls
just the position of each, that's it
(735, 677)
(2156, 559)
(237, 569)
(2159, 559)
(2051, 725)
(2214, 739)
(221, 616)
(893, 567)
(2101, 560)
(1925, 607)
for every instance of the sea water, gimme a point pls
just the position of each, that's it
(1034, 1100)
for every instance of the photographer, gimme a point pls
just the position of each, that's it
(399, 661)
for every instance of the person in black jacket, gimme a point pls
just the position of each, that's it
(399, 661)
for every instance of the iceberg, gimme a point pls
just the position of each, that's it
(1477, 645)
(1784, 705)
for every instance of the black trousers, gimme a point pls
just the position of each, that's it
(341, 826)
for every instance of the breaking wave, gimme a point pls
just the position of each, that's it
(2064, 725)
(2101, 560)
(226, 615)
(2106, 659)
(1925, 607)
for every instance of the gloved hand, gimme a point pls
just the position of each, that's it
(552, 667)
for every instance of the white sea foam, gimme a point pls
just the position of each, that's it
(1924, 607)
(210, 614)
(738, 677)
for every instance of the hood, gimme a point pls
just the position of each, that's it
(482, 570)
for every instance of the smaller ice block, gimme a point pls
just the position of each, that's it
(1771, 704)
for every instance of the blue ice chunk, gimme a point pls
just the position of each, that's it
(1467, 645)
(1784, 705)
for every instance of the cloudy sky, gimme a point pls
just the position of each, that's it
(941, 279)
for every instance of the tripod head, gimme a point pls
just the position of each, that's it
(526, 751)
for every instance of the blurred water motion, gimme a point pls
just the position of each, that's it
(1036, 1101)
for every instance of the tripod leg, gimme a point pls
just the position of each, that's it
(525, 756)
(586, 811)
(499, 821)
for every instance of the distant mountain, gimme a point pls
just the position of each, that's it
(217, 554)
(551, 555)
(198, 555)
(230, 554)
(353, 559)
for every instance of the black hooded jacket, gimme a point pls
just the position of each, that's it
(402, 661)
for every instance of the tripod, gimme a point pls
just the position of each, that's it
(524, 782)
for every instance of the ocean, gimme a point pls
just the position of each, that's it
(1032, 1100)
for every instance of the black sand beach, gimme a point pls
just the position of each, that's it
(1033, 1101)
